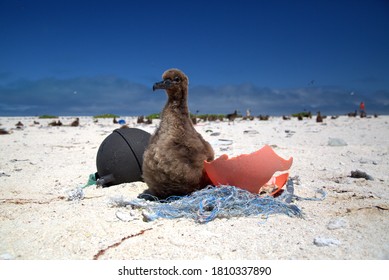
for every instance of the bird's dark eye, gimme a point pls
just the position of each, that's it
(177, 79)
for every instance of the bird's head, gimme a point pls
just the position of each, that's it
(174, 82)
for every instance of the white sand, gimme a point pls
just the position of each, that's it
(39, 164)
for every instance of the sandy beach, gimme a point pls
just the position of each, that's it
(40, 164)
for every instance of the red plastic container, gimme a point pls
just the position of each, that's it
(249, 171)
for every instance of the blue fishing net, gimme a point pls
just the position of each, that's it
(217, 202)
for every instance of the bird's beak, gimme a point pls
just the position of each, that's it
(165, 84)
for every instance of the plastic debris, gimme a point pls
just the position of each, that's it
(336, 142)
(249, 171)
(76, 194)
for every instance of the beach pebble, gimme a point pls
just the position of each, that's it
(324, 241)
(361, 174)
(6, 256)
(223, 142)
(289, 133)
(336, 142)
(365, 161)
(253, 131)
(3, 174)
(125, 216)
(336, 224)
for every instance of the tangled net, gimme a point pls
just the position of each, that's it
(216, 202)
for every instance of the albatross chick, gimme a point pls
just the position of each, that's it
(173, 160)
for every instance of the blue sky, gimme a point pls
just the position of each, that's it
(273, 57)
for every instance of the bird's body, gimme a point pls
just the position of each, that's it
(319, 118)
(232, 117)
(76, 122)
(174, 159)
